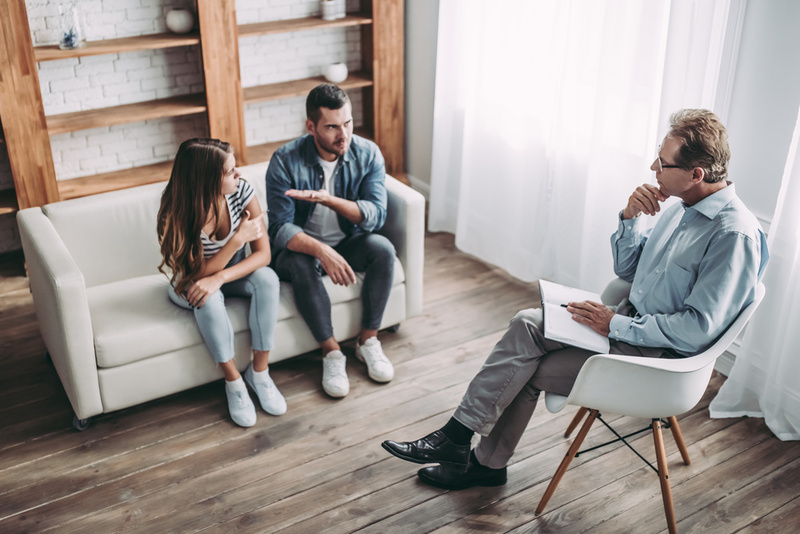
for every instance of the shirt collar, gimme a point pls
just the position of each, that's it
(714, 203)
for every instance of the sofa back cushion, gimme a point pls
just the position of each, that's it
(111, 236)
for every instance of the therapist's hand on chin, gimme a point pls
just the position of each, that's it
(645, 199)
(593, 314)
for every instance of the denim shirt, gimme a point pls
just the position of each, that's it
(692, 273)
(360, 177)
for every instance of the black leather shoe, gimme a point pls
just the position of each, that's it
(446, 477)
(433, 448)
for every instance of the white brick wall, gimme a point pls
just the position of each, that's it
(114, 79)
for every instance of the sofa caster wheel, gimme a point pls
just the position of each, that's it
(80, 424)
(394, 328)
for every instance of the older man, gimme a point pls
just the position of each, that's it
(691, 275)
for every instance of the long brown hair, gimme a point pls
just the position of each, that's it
(194, 190)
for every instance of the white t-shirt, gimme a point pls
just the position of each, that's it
(323, 225)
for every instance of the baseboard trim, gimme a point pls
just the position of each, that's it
(419, 185)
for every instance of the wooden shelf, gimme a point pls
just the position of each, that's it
(8, 201)
(175, 106)
(295, 25)
(115, 46)
(259, 153)
(111, 181)
(276, 91)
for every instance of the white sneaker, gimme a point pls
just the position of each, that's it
(268, 395)
(379, 367)
(240, 406)
(334, 375)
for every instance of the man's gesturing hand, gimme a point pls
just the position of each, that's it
(645, 199)
(308, 195)
(594, 315)
(337, 267)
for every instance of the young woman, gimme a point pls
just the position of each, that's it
(207, 216)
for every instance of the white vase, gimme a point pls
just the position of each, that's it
(335, 72)
(180, 20)
(328, 9)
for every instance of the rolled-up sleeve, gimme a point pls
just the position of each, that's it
(281, 208)
(372, 194)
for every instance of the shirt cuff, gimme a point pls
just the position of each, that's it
(619, 327)
(369, 214)
(285, 234)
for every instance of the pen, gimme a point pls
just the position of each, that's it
(564, 305)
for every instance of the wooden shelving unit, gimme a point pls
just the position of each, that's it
(175, 106)
(115, 46)
(111, 181)
(296, 25)
(381, 23)
(277, 91)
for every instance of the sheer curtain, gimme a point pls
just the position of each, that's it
(764, 379)
(547, 115)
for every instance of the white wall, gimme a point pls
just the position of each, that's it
(421, 22)
(765, 100)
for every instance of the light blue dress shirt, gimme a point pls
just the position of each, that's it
(692, 273)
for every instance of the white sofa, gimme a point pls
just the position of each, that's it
(110, 330)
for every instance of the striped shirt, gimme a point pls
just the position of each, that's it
(236, 203)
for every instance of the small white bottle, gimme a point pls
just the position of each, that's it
(341, 9)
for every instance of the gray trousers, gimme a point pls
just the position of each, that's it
(500, 400)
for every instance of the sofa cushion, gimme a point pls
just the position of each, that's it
(149, 324)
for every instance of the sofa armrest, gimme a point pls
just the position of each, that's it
(405, 228)
(62, 310)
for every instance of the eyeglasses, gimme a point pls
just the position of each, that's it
(661, 165)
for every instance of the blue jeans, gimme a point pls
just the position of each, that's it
(369, 253)
(263, 288)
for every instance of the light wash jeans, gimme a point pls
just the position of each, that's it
(263, 288)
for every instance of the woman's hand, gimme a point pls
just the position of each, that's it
(199, 291)
(250, 228)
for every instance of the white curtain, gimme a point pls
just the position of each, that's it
(765, 379)
(547, 115)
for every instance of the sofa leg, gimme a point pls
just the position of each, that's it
(80, 424)
(394, 328)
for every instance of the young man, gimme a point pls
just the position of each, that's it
(691, 275)
(326, 196)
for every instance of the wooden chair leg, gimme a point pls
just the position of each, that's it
(562, 468)
(663, 476)
(676, 433)
(576, 421)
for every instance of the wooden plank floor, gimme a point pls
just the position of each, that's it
(180, 465)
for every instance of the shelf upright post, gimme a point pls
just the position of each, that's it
(22, 111)
(383, 56)
(219, 43)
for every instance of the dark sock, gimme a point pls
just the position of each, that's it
(458, 433)
(474, 461)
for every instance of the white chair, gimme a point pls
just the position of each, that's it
(657, 389)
